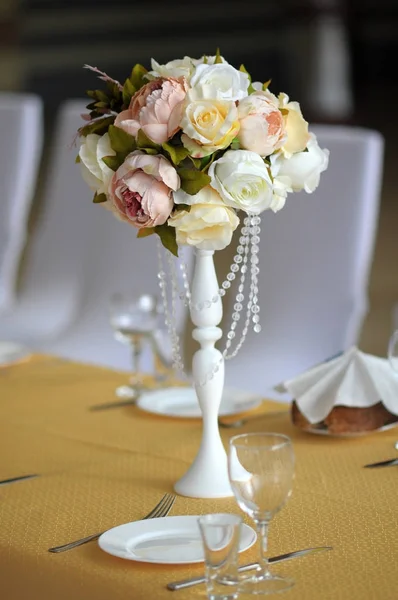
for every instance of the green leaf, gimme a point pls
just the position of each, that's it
(145, 232)
(121, 141)
(180, 207)
(266, 84)
(114, 89)
(137, 76)
(218, 58)
(152, 151)
(99, 127)
(77, 159)
(113, 162)
(128, 91)
(205, 60)
(193, 181)
(167, 236)
(143, 141)
(176, 153)
(196, 161)
(99, 198)
(206, 161)
(250, 89)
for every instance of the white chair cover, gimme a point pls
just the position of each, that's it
(315, 258)
(21, 127)
(79, 255)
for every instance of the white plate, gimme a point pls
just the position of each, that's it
(11, 352)
(167, 540)
(349, 434)
(182, 402)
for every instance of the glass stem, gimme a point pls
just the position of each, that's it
(262, 532)
(136, 347)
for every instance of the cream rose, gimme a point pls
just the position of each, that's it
(296, 126)
(243, 181)
(208, 225)
(262, 127)
(141, 189)
(181, 67)
(208, 125)
(221, 81)
(94, 171)
(302, 169)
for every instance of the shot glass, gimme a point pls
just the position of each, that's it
(220, 535)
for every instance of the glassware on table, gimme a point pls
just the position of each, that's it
(393, 351)
(220, 536)
(134, 318)
(261, 472)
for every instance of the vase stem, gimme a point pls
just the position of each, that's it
(208, 475)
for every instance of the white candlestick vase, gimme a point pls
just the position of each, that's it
(207, 477)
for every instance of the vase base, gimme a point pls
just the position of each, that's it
(196, 485)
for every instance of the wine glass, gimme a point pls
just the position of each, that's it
(261, 472)
(393, 351)
(134, 319)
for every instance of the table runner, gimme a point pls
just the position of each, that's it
(102, 469)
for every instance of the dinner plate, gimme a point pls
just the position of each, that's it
(349, 434)
(11, 352)
(167, 540)
(182, 402)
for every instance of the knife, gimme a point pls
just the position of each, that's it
(184, 583)
(15, 479)
(383, 463)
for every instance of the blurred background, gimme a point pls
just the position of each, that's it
(336, 56)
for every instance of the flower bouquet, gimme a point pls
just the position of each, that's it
(182, 151)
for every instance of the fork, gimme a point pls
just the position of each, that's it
(241, 422)
(162, 509)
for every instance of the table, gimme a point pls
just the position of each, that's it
(101, 469)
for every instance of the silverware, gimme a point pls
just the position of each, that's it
(384, 463)
(241, 422)
(15, 479)
(118, 404)
(179, 585)
(162, 509)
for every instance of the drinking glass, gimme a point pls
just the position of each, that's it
(134, 319)
(220, 535)
(261, 472)
(393, 351)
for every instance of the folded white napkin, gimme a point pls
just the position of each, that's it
(353, 379)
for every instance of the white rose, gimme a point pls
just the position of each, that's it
(94, 171)
(243, 181)
(220, 81)
(208, 225)
(208, 125)
(181, 67)
(304, 168)
(209, 60)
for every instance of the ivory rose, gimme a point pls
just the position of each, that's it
(243, 181)
(221, 81)
(262, 127)
(94, 171)
(156, 109)
(303, 168)
(208, 225)
(208, 125)
(180, 67)
(296, 126)
(141, 189)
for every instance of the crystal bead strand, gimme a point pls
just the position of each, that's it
(170, 318)
(252, 305)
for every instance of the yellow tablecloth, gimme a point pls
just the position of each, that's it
(98, 470)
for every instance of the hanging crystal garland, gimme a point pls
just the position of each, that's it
(247, 251)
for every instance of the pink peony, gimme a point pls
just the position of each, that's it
(140, 190)
(156, 109)
(262, 127)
